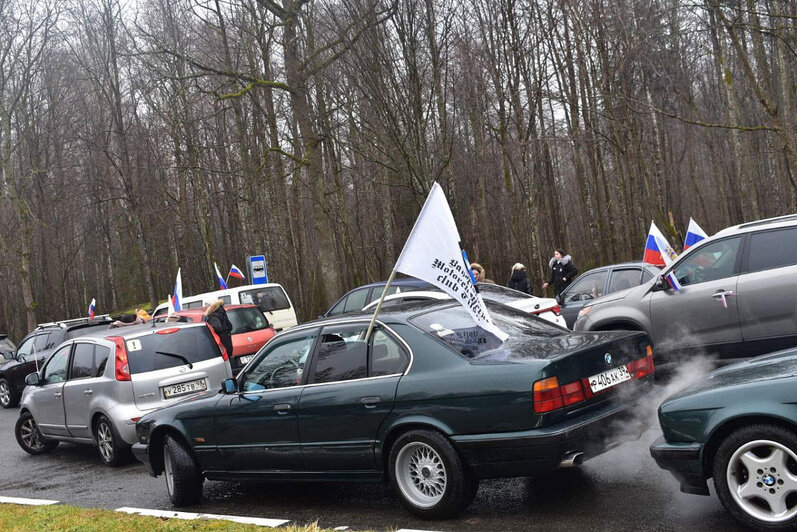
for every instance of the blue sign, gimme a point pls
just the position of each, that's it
(258, 270)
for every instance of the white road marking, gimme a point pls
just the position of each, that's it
(413, 530)
(341, 528)
(190, 515)
(30, 502)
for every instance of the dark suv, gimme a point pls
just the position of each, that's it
(34, 349)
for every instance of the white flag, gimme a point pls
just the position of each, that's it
(175, 300)
(432, 253)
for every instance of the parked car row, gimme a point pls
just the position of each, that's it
(432, 404)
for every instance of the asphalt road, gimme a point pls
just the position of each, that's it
(620, 490)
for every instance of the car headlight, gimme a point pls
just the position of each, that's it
(584, 311)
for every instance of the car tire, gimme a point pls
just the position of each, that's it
(755, 470)
(29, 437)
(429, 476)
(112, 450)
(183, 477)
(8, 398)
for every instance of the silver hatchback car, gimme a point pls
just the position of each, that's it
(736, 297)
(94, 388)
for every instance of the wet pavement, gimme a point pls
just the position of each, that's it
(620, 490)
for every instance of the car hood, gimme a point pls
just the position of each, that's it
(633, 292)
(778, 365)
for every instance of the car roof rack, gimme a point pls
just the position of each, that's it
(63, 324)
(786, 218)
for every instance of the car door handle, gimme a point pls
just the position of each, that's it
(57, 394)
(722, 293)
(88, 392)
(370, 402)
(282, 408)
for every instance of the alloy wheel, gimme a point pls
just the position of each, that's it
(5, 394)
(168, 469)
(105, 441)
(30, 435)
(421, 474)
(762, 480)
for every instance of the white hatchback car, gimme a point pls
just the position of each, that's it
(545, 308)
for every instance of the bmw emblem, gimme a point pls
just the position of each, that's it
(608, 358)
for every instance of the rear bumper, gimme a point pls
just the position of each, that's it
(683, 460)
(541, 450)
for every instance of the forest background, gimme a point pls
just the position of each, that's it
(142, 136)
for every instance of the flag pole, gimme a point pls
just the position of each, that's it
(379, 305)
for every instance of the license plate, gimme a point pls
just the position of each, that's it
(184, 388)
(610, 378)
(245, 360)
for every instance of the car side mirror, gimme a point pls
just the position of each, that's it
(229, 386)
(32, 379)
(560, 299)
(660, 285)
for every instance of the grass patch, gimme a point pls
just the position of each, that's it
(15, 517)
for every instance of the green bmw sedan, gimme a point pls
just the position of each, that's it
(737, 425)
(429, 402)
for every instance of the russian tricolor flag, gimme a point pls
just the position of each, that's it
(694, 234)
(222, 282)
(236, 272)
(658, 251)
(177, 295)
(92, 309)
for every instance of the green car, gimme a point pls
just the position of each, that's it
(738, 425)
(430, 402)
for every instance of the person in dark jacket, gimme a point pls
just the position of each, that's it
(216, 317)
(519, 280)
(563, 271)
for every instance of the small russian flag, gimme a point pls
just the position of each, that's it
(92, 309)
(236, 272)
(694, 234)
(657, 250)
(222, 282)
(177, 295)
(672, 281)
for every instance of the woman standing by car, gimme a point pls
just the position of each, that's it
(217, 318)
(563, 271)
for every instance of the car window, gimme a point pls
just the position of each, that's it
(246, 320)
(773, 249)
(387, 357)
(279, 365)
(356, 300)
(268, 298)
(101, 354)
(342, 354)
(622, 279)
(55, 371)
(712, 261)
(194, 304)
(646, 276)
(160, 311)
(81, 331)
(376, 293)
(82, 362)
(590, 286)
(26, 347)
(170, 348)
(42, 342)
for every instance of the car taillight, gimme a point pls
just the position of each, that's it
(642, 367)
(218, 342)
(122, 368)
(555, 309)
(549, 395)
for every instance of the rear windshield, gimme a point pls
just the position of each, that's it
(184, 345)
(268, 298)
(246, 320)
(455, 327)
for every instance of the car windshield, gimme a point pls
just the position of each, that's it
(246, 320)
(455, 327)
(86, 329)
(193, 344)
